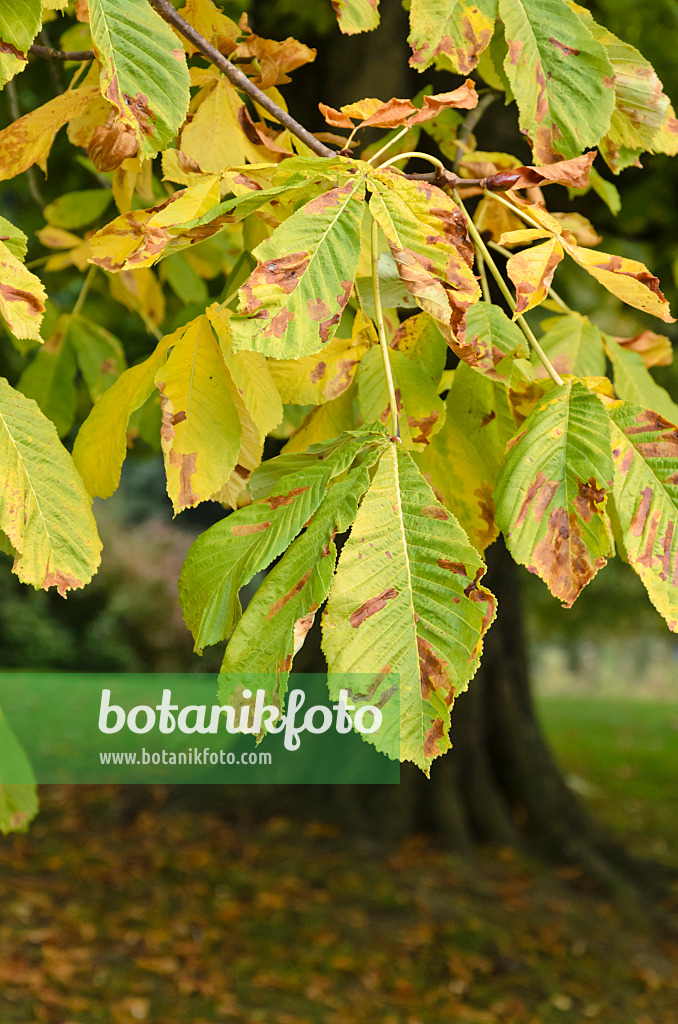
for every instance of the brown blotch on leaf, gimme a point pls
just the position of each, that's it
(424, 426)
(282, 601)
(456, 567)
(432, 740)
(435, 512)
(588, 498)
(63, 581)
(541, 492)
(433, 674)
(372, 606)
(277, 500)
(19, 295)
(569, 51)
(244, 529)
(563, 559)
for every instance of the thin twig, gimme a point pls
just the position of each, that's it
(379, 318)
(80, 301)
(239, 80)
(48, 53)
(485, 288)
(510, 301)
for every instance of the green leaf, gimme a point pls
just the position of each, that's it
(293, 300)
(406, 600)
(420, 340)
(356, 15)
(184, 280)
(77, 209)
(44, 508)
(227, 556)
(277, 619)
(492, 342)
(426, 233)
(14, 239)
(100, 355)
(421, 411)
(645, 451)
(18, 800)
(574, 345)
(641, 106)
(49, 379)
(560, 76)
(462, 461)
(451, 33)
(101, 445)
(19, 24)
(143, 69)
(552, 491)
(634, 383)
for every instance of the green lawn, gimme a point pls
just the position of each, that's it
(621, 755)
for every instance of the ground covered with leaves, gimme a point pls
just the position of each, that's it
(171, 915)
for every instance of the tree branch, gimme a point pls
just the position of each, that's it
(239, 80)
(48, 53)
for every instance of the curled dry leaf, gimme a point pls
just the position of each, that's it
(112, 143)
(397, 113)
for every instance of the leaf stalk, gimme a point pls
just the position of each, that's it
(379, 317)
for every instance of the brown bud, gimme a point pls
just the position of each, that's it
(111, 144)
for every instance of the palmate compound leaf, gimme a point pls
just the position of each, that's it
(560, 76)
(200, 433)
(406, 599)
(18, 800)
(426, 233)
(143, 69)
(227, 556)
(552, 490)
(293, 300)
(463, 459)
(645, 453)
(45, 511)
(277, 619)
(451, 33)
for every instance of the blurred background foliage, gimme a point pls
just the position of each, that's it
(128, 619)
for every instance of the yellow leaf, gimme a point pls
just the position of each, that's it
(138, 238)
(628, 279)
(211, 23)
(28, 140)
(22, 296)
(249, 456)
(532, 272)
(323, 376)
(251, 375)
(327, 421)
(522, 235)
(139, 291)
(213, 136)
(101, 445)
(200, 433)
